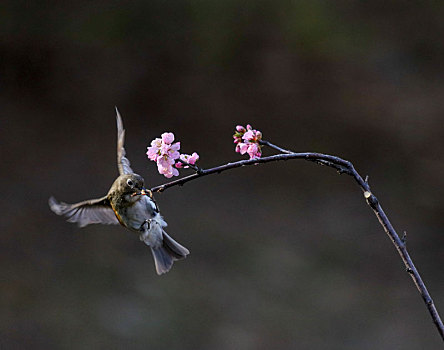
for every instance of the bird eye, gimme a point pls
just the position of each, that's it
(130, 182)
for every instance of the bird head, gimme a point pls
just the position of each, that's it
(131, 186)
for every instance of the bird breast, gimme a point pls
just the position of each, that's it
(136, 214)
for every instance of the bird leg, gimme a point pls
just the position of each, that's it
(145, 231)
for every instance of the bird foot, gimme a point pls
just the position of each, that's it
(145, 230)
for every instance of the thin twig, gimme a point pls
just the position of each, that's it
(192, 166)
(342, 166)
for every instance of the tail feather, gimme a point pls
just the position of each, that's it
(176, 249)
(165, 255)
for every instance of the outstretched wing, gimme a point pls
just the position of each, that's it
(94, 211)
(122, 162)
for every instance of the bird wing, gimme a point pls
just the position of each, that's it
(93, 211)
(122, 162)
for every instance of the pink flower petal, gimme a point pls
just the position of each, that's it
(243, 147)
(165, 162)
(161, 169)
(253, 151)
(156, 143)
(249, 135)
(168, 137)
(152, 153)
(240, 128)
(194, 158)
(175, 146)
(174, 155)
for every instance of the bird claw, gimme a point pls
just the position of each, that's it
(147, 222)
(144, 231)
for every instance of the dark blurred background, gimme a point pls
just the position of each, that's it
(284, 255)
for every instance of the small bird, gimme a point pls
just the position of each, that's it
(129, 203)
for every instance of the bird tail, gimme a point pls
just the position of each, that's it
(166, 254)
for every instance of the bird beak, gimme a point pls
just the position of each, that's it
(142, 192)
(146, 192)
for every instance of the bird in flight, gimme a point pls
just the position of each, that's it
(129, 203)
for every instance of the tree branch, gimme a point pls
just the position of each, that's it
(342, 166)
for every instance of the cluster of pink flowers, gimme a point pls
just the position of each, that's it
(167, 156)
(165, 152)
(247, 141)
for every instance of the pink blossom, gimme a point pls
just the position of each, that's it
(254, 151)
(164, 146)
(154, 150)
(194, 158)
(165, 166)
(252, 136)
(242, 148)
(247, 140)
(167, 137)
(165, 161)
(167, 170)
(248, 136)
(172, 151)
(240, 129)
(166, 153)
(190, 159)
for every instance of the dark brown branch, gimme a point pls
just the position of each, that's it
(342, 166)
